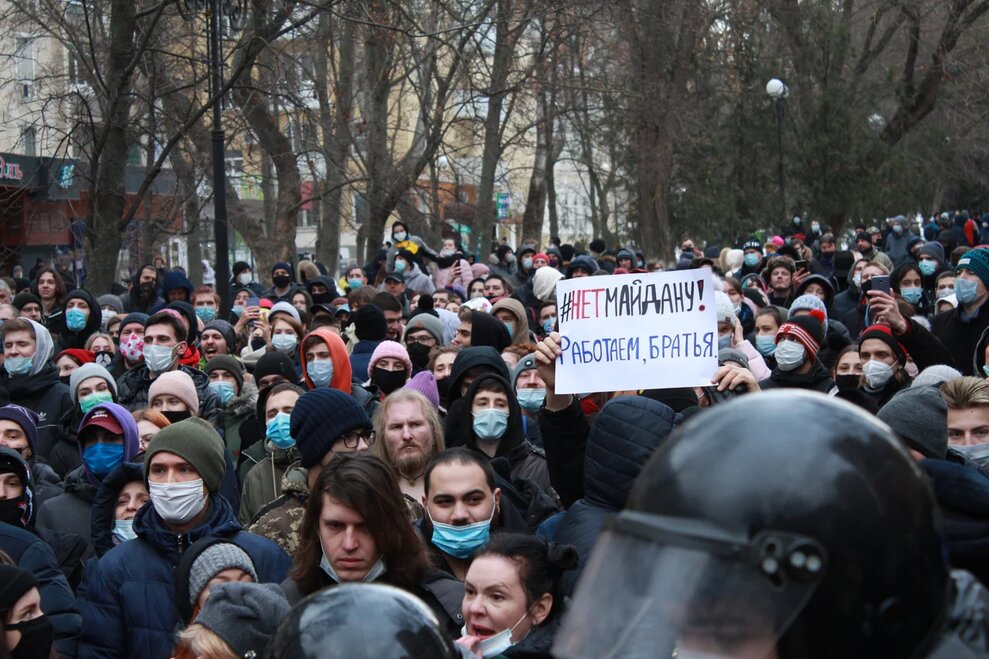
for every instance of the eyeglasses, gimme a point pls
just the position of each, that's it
(427, 340)
(353, 438)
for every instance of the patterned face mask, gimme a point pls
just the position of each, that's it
(132, 348)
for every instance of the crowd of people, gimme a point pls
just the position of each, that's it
(379, 464)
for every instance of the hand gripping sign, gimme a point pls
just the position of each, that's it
(637, 331)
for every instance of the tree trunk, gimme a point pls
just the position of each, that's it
(335, 122)
(107, 194)
(535, 203)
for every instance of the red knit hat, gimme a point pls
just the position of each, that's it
(885, 334)
(807, 330)
(79, 355)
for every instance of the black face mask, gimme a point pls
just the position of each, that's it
(281, 281)
(64, 379)
(847, 382)
(257, 343)
(177, 415)
(443, 387)
(37, 635)
(388, 381)
(104, 358)
(10, 512)
(147, 289)
(419, 355)
(320, 298)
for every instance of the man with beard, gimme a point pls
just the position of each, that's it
(409, 434)
(143, 293)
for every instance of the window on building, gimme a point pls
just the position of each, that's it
(29, 141)
(24, 65)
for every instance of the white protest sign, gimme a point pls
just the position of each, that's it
(637, 331)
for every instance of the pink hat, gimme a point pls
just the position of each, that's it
(390, 349)
(776, 240)
(425, 384)
(178, 384)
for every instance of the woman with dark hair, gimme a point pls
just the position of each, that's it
(476, 288)
(513, 600)
(357, 527)
(50, 289)
(907, 282)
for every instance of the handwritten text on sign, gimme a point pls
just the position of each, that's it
(638, 331)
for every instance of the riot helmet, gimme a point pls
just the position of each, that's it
(788, 525)
(361, 621)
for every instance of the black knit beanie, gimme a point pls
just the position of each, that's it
(319, 418)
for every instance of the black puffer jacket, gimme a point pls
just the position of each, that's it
(962, 491)
(817, 379)
(626, 432)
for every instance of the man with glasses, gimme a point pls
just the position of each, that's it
(423, 333)
(324, 421)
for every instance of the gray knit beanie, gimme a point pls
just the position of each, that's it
(86, 371)
(213, 560)
(245, 615)
(920, 416)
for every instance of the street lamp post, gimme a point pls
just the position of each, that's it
(778, 91)
(235, 11)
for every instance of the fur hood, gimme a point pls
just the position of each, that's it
(244, 404)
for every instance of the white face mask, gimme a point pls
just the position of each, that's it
(789, 355)
(178, 503)
(876, 374)
(495, 644)
(244, 278)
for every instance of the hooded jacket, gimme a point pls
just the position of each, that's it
(240, 408)
(105, 504)
(71, 551)
(342, 373)
(625, 433)
(71, 512)
(175, 279)
(457, 415)
(134, 303)
(66, 338)
(417, 281)
(514, 307)
(132, 391)
(486, 330)
(40, 390)
(527, 462)
(130, 608)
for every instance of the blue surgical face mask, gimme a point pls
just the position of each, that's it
(225, 390)
(400, 265)
(284, 343)
(527, 262)
(237, 309)
(75, 319)
(86, 403)
(490, 424)
(911, 293)
(724, 341)
(927, 268)
(102, 458)
(510, 328)
(400, 236)
(123, 530)
(206, 313)
(751, 259)
(549, 324)
(320, 372)
(461, 541)
(18, 365)
(531, 399)
(966, 290)
(277, 431)
(354, 284)
(765, 344)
